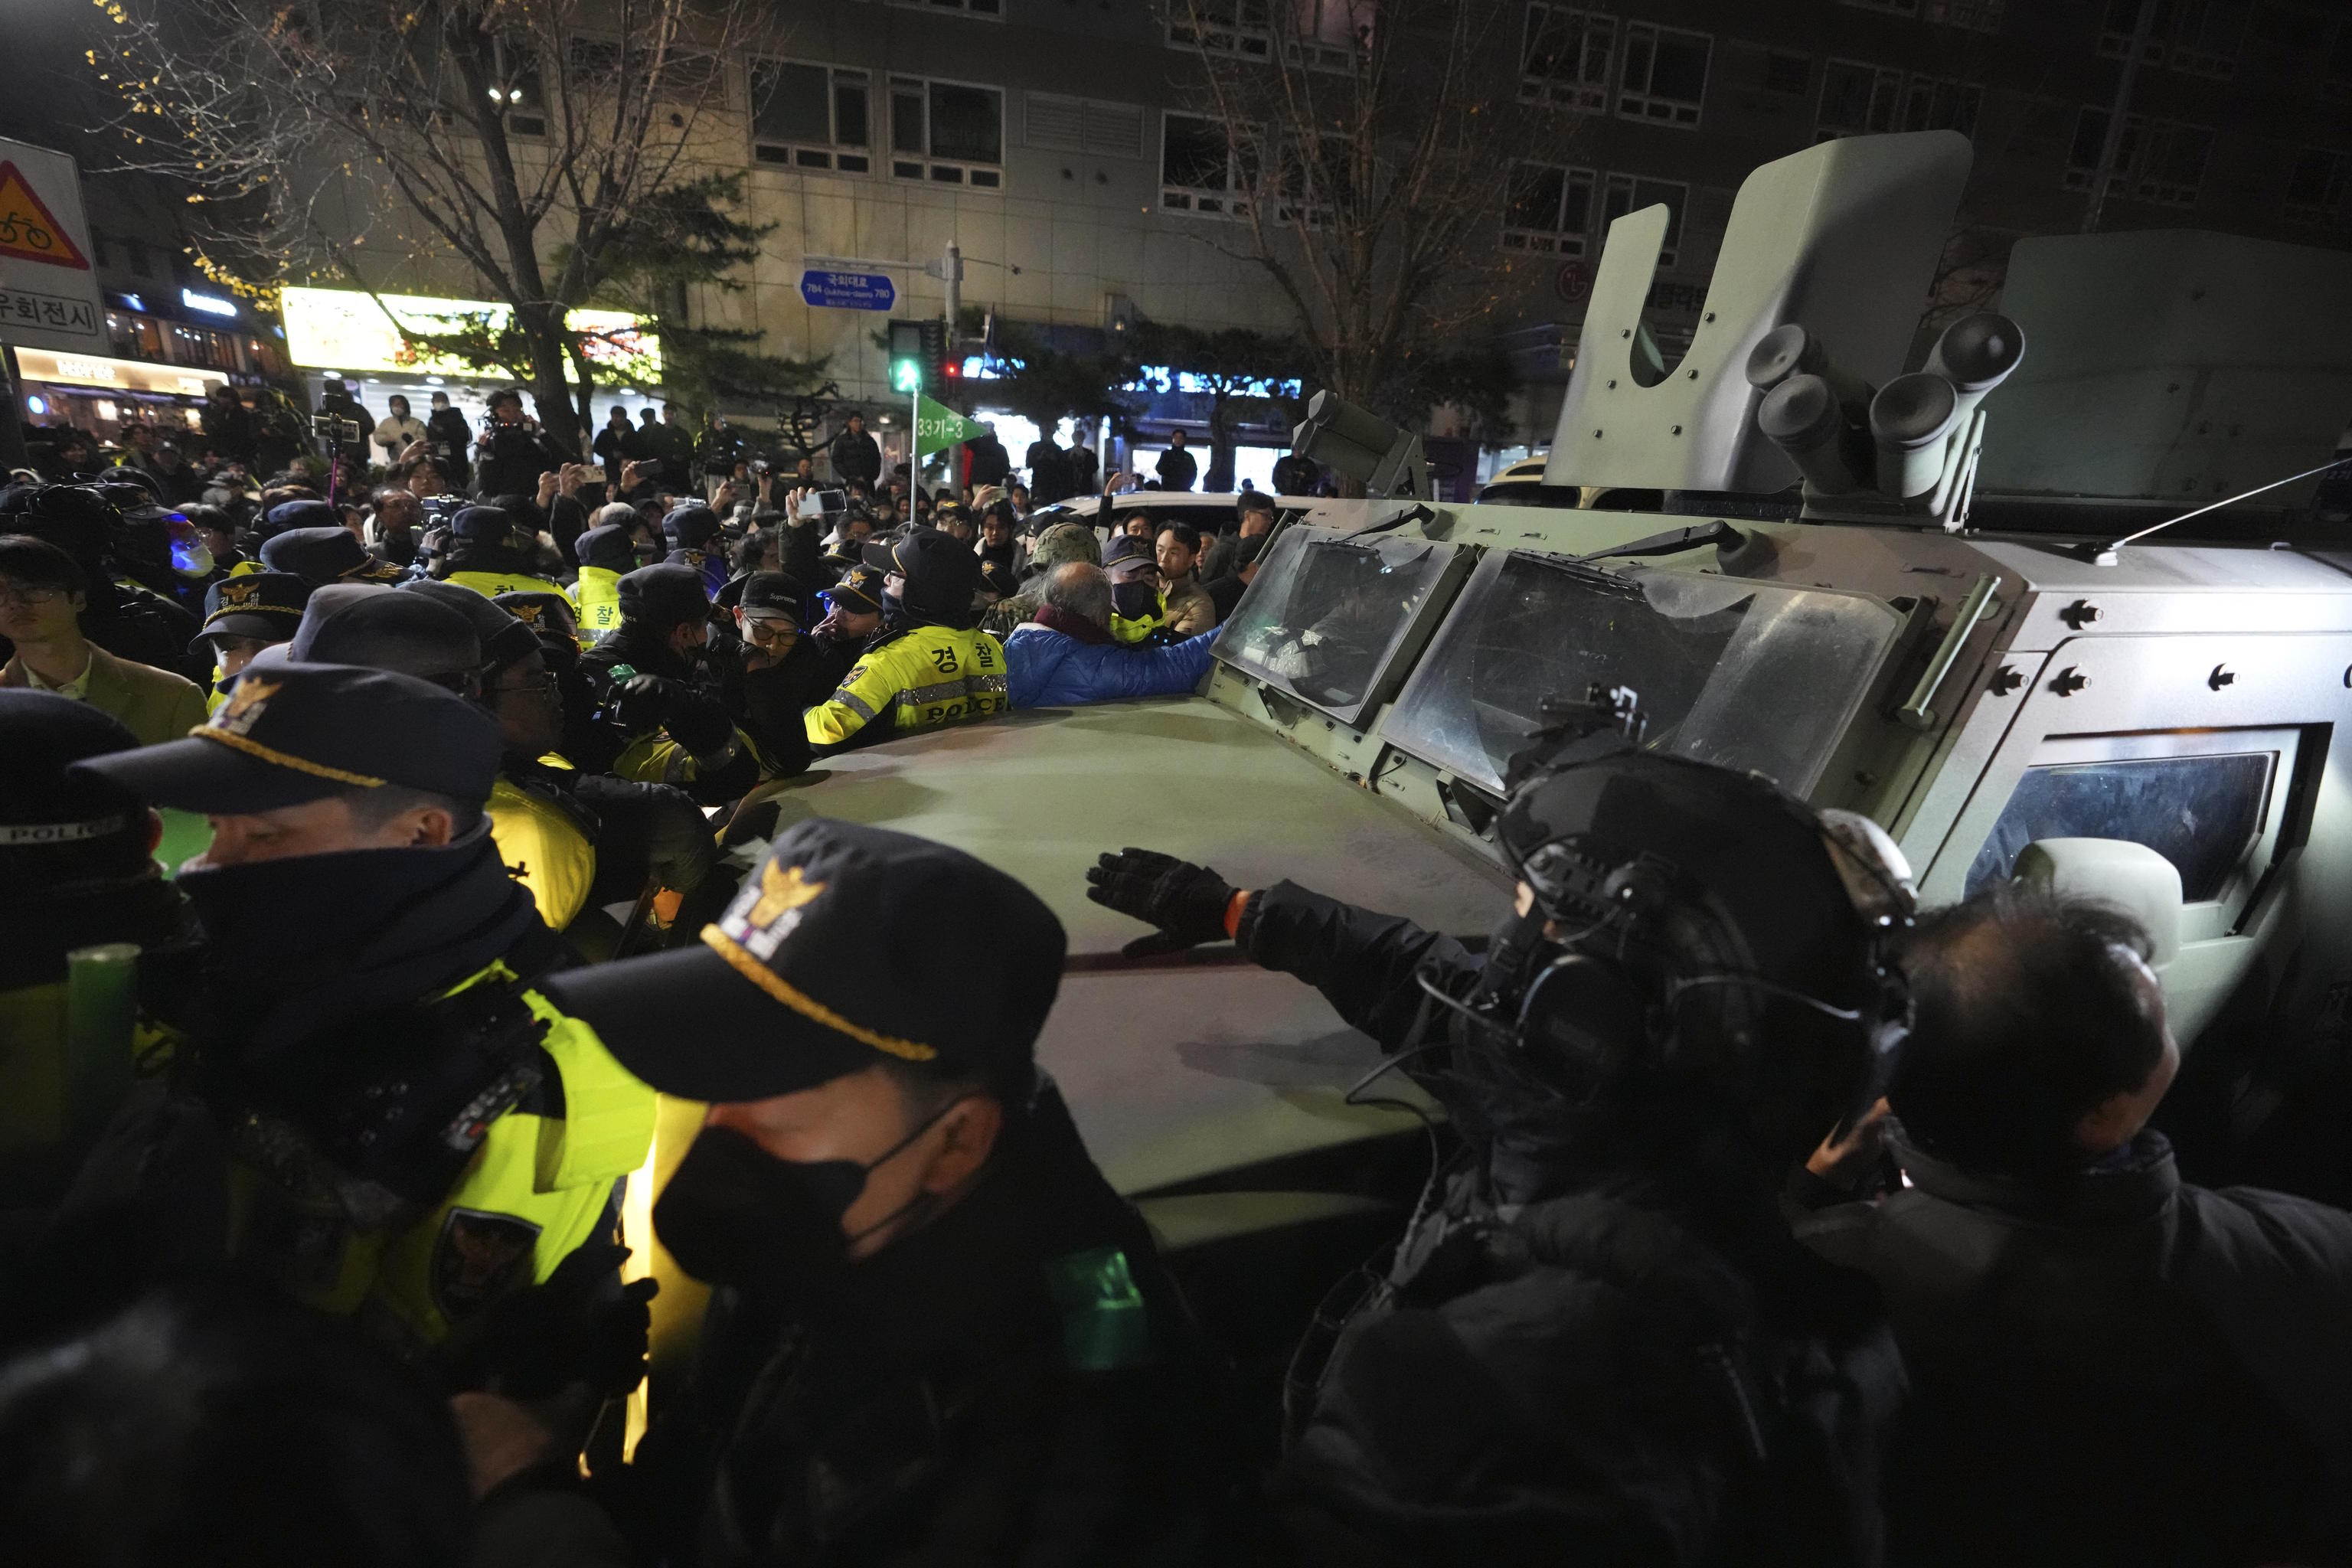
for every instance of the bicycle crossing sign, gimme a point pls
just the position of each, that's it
(29, 230)
(48, 289)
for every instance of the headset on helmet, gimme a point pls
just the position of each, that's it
(1694, 917)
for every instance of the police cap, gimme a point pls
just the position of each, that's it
(504, 639)
(289, 515)
(42, 733)
(361, 624)
(321, 555)
(266, 605)
(540, 611)
(485, 525)
(859, 592)
(691, 526)
(664, 596)
(940, 570)
(614, 548)
(847, 947)
(300, 733)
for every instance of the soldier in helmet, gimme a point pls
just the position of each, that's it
(1600, 1340)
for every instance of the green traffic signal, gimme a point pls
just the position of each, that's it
(907, 375)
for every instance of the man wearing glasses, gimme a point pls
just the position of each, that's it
(43, 592)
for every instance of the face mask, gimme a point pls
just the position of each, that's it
(1136, 601)
(735, 1215)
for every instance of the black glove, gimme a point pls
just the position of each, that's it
(573, 1328)
(642, 703)
(1187, 903)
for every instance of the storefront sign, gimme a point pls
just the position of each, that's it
(120, 375)
(347, 330)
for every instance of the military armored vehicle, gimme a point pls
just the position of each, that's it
(1901, 598)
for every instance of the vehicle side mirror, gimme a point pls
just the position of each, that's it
(2129, 877)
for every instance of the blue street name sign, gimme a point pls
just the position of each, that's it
(848, 291)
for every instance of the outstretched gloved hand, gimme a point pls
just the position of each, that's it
(1187, 903)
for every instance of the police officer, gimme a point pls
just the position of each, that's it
(414, 1131)
(607, 552)
(666, 724)
(578, 839)
(1601, 1342)
(853, 615)
(323, 555)
(1138, 608)
(550, 616)
(770, 675)
(693, 533)
(939, 1334)
(244, 614)
(75, 872)
(932, 665)
(492, 553)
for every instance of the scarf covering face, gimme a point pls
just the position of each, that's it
(1071, 625)
(301, 943)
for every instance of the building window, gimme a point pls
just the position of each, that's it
(2206, 37)
(1786, 73)
(1627, 193)
(1326, 38)
(687, 77)
(1237, 28)
(1858, 99)
(1664, 80)
(138, 253)
(2157, 161)
(1549, 211)
(947, 133)
(1565, 56)
(1977, 15)
(1201, 171)
(1932, 104)
(98, 249)
(2336, 76)
(515, 84)
(2319, 189)
(810, 117)
(1083, 125)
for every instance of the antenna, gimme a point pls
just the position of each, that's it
(2107, 554)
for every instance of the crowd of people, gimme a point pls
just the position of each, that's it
(1775, 1221)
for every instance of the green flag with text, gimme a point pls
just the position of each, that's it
(938, 425)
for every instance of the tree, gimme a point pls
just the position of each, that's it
(1242, 372)
(555, 152)
(1369, 148)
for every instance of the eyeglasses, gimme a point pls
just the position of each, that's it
(544, 684)
(16, 594)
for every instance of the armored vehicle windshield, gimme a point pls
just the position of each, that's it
(1749, 674)
(1328, 612)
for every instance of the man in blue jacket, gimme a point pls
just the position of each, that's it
(1066, 656)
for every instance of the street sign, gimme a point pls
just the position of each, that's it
(48, 292)
(938, 425)
(848, 291)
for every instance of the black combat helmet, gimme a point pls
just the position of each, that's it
(1712, 940)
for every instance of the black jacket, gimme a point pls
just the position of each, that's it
(1176, 469)
(991, 463)
(1015, 1383)
(1593, 1360)
(2121, 1368)
(855, 455)
(1049, 472)
(687, 707)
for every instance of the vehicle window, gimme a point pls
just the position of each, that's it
(2200, 812)
(1747, 674)
(1324, 613)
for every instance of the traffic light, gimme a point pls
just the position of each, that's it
(936, 368)
(909, 345)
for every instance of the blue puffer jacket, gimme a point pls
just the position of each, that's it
(1055, 670)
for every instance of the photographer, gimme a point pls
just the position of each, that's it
(513, 451)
